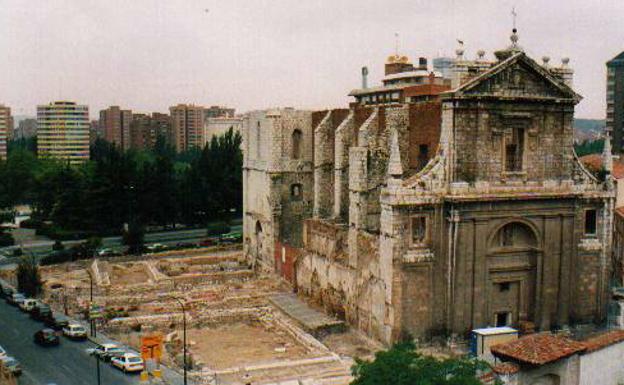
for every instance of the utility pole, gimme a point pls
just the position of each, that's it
(183, 338)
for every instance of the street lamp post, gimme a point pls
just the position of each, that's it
(93, 327)
(184, 337)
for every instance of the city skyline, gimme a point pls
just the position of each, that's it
(149, 56)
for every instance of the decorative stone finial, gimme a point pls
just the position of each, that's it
(395, 167)
(565, 61)
(460, 49)
(480, 54)
(545, 59)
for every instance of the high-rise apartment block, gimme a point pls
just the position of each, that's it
(615, 101)
(27, 128)
(219, 112)
(115, 126)
(188, 126)
(63, 131)
(145, 129)
(6, 129)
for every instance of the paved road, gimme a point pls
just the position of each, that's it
(164, 237)
(67, 364)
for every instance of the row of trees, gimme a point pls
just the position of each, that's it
(115, 188)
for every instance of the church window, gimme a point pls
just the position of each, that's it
(296, 192)
(507, 236)
(423, 155)
(419, 230)
(514, 150)
(590, 222)
(296, 144)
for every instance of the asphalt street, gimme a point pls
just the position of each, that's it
(165, 237)
(67, 364)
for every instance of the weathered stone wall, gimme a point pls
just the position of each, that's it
(278, 180)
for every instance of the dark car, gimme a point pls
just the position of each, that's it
(56, 321)
(41, 312)
(16, 298)
(47, 337)
(12, 364)
(7, 292)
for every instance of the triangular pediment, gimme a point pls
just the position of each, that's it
(518, 76)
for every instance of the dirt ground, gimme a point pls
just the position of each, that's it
(350, 344)
(129, 275)
(239, 344)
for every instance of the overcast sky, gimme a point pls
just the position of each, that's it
(149, 54)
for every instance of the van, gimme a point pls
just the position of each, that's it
(28, 304)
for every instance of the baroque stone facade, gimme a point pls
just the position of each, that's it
(462, 209)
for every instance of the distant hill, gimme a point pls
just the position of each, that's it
(588, 129)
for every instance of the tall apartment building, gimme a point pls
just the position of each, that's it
(63, 131)
(145, 129)
(615, 101)
(187, 122)
(115, 126)
(6, 129)
(27, 128)
(219, 112)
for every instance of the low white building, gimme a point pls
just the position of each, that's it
(547, 359)
(219, 126)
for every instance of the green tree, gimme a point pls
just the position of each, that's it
(403, 365)
(28, 276)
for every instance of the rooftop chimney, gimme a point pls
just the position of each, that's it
(364, 77)
(422, 63)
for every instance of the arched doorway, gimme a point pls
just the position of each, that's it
(512, 272)
(258, 237)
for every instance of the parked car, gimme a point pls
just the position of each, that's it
(7, 291)
(28, 304)
(107, 351)
(56, 321)
(207, 242)
(75, 331)
(16, 299)
(106, 252)
(128, 362)
(41, 312)
(12, 364)
(47, 337)
(156, 247)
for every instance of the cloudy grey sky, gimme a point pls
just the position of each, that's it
(149, 54)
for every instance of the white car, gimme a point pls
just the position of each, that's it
(28, 304)
(128, 362)
(107, 351)
(74, 330)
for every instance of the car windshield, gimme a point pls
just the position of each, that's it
(18, 296)
(134, 360)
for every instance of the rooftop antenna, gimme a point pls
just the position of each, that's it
(396, 43)
(514, 15)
